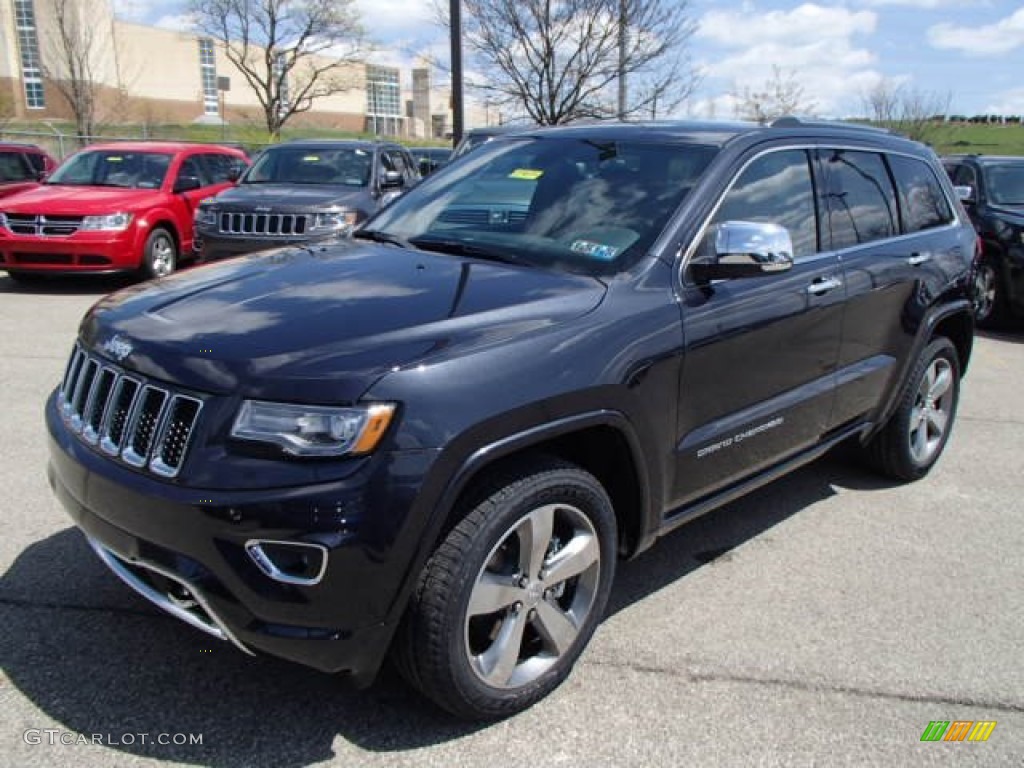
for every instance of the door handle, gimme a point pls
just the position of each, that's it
(824, 285)
(917, 259)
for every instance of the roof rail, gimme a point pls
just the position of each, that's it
(793, 121)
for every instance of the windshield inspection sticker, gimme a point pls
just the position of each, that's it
(594, 250)
(526, 173)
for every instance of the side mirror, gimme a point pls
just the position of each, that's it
(743, 249)
(426, 166)
(391, 180)
(234, 173)
(965, 193)
(186, 184)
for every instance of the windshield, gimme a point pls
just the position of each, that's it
(346, 166)
(1006, 184)
(112, 168)
(580, 205)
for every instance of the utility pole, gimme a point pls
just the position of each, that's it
(623, 26)
(455, 16)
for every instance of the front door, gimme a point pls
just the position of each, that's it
(760, 356)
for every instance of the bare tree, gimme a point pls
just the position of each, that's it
(72, 60)
(782, 94)
(291, 52)
(558, 62)
(917, 114)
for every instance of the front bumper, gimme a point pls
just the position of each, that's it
(81, 252)
(185, 550)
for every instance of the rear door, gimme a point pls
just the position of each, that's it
(889, 221)
(760, 353)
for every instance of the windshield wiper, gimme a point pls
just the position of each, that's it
(460, 248)
(379, 236)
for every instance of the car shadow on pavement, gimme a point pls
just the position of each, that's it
(67, 285)
(97, 659)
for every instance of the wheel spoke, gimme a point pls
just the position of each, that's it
(493, 593)
(534, 539)
(941, 383)
(938, 421)
(573, 559)
(556, 628)
(499, 661)
(916, 418)
(919, 441)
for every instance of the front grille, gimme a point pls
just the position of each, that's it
(141, 423)
(266, 224)
(44, 226)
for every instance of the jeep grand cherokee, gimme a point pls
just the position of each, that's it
(437, 438)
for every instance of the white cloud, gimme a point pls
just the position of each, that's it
(397, 19)
(929, 4)
(134, 10)
(804, 24)
(1009, 103)
(812, 43)
(988, 40)
(181, 22)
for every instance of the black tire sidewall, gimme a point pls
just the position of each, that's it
(490, 523)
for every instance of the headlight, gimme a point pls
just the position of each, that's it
(206, 216)
(3, 221)
(313, 430)
(112, 222)
(335, 220)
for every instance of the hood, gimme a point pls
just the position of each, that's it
(1004, 209)
(292, 197)
(81, 201)
(323, 325)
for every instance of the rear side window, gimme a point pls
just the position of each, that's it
(860, 195)
(923, 204)
(14, 168)
(776, 188)
(220, 168)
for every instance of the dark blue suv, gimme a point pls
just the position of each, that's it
(436, 438)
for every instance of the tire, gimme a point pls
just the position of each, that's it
(990, 304)
(916, 434)
(490, 629)
(160, 254)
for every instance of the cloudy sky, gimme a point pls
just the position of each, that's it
(972, 50)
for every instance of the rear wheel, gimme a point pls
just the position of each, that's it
(160, 254)
(916, 434)
(509, 600)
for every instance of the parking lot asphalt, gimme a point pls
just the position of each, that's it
(824, 620)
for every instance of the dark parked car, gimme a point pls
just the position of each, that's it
(993, 192)
(475, 137)
(23, 166)
(303, 191)
(437, 437)
(429, 159)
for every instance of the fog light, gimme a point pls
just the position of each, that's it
(290, 562)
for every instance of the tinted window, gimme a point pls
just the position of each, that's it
(590, 205)
(14, 168)
(1005, 183)
(37, 161)
(191, 167)
(922, 201)
(113, 168)
(220, 168)
(861, 200)
(348, 166)
(776, 188)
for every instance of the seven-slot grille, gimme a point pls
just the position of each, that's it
(271, 224)
(140, 423)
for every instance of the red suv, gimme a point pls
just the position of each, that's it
(22, 166)
(114, 208)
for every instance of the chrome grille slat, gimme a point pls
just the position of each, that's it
(140, 423)
(269, 224)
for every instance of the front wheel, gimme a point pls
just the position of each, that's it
(160, 254)
(508, 602)
(989, 295)
(916, 434)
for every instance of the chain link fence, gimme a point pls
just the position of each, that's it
(61, 144)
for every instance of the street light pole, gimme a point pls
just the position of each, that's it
(455, 19)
